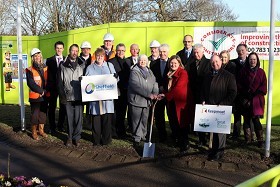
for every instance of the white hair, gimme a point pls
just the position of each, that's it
(143, 56)
(196, 46)
(166, 46)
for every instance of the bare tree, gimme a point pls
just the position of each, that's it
(200, 10)
(6, 20)
(159, 10)
(209, 10)
(34, 21)
(63, 15)
(99, 12)
(48, 16)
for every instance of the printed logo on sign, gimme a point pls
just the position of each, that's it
(204, 122)
(221, 124)
(221, 112)
(217, 40)
(204, 125)
(90, 88)
(204, 110)
(217, 44)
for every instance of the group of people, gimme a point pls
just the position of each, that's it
(176, 83)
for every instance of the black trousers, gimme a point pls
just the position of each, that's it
(101, 129)
(178, 132)
(255, 121)
(219, 141)
(52, 102)
(120, 112)
(236, 124)
(160, 119)
(75, 119)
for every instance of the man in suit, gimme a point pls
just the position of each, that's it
(242, 52)
(53, 64)
(159, 68)
(186, 54)
(134, 51)
(130, 61)
(122, 71)
(199, 68)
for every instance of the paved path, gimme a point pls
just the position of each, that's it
(58, 165)
(75, 170)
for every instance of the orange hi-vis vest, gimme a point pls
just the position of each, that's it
(38, 80)
(106, 58)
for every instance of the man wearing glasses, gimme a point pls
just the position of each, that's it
(122, 72)
(186, 54)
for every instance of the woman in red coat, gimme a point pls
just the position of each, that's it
(252, 84)
(177, 97)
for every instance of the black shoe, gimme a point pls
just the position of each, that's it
(216, 155)
(201, 144)
(136, 146)
(68, 143)
(184, 150)
(52, 131)
(260, 144)
(61, 129)
(123, 136)
(76, 143)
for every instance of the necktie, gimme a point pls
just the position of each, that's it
(134, 61)
(163, 64)
(58, 61)
(188, 54)
(197, 64)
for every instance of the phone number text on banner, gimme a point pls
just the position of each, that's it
(213, 118)
(99, 87)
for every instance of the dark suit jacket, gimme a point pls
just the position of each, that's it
(129, 61)
(238, 65)
(196, 77)
(230, 67)
(186, 61)
(122, 67)
(52, 75)
(161, 80)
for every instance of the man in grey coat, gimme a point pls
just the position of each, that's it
(142, 89)
(69, 87)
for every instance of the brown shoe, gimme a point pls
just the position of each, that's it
(68, 143)
(34, 132)
(41, 131)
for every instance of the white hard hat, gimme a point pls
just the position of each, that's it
(108, 36)
(154, 43)
(85, 44)
(34, 51)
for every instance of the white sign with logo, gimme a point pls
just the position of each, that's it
(99, 87)
(216, 39)
(213, 118)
